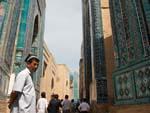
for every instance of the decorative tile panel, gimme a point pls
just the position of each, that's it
(142, 80)
(102, 91)
(143, 8)
(124, 86)
(120, 34)
(133, 85)
(21, 35)
(13, 32)
(22, 30)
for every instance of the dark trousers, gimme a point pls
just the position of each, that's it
(84, 112)
(66, 111)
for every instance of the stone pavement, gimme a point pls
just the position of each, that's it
(140, 108)
(4, 106)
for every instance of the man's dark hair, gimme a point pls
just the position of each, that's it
(43, 95)
(56, 96)
(84, 100)
(66, 96)
(72, 100)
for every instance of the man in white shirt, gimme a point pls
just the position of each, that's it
(84, 107)
(42, 104)
(23, 98)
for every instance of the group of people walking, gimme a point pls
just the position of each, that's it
(56, 105)
(23, 97)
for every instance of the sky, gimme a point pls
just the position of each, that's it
(63, 31)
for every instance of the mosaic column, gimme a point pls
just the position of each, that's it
(98, 58)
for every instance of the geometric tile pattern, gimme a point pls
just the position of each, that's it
(124, 87)
(133, 86)
(13, 33)
(142, 80)
(22, 35)
(23, 24)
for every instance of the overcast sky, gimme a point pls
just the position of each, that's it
(63, 31)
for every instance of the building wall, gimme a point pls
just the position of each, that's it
(8, 17)
(75, 85)
(101, 49)
(81, 79)
(126, 56)
(108, 45)
(17, 20)
(82, 90)
(62, 86)
(71, 86)
(30, 37)
(94, 55)
(48, 78)
(130, 23)
(99, 80)
(86, 48)
(109, 59)
(7, 42)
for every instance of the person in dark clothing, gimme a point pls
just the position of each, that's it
(58, 105)
(73, 106)
(54, 104)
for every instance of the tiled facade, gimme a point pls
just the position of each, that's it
(108, 45)
(75, 85)
(86, 49)
(99, 77)
(19, 21)
(126, 44)
(93, 52)
(131, 32)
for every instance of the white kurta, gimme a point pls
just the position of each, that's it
(42, 105)
(26, 101)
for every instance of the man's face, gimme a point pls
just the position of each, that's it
(33, 65)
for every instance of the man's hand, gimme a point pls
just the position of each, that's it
(13, 97)
(9, 106)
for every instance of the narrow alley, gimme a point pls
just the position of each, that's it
(46, 68)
